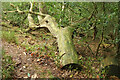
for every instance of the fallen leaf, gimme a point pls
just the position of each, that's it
(25, 53)
(20, 69)
(33, 77)
(25, 50)
(32, 54)
(31, 42)
(24, 66)
(97, 76)
(71, 75)
(25, 77)
(38, 48)
(38, 60)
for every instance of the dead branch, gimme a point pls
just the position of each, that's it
(48, 21)
(24, 11)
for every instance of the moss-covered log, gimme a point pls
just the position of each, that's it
(67, 52)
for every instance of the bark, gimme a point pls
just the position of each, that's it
(67, 52)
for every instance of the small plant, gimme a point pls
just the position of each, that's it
(50, 74)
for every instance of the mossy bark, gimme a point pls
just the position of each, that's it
(67, 52)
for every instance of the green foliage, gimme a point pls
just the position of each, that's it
(72, 13)
(15, 18)
(7, 66)
(9, 36)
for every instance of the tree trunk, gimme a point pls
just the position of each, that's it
(67, 52)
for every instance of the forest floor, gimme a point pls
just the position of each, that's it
(35, 56)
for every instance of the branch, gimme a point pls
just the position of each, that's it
(30, 19)
(40, 11)
(73, 10)
(48, 21)
(31, 6)
(51, 24)
(24, 11)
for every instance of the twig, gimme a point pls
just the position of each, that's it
(99, 44)
(89, 48)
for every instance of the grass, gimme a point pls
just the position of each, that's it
(9, 36)
(50, 74)
(7, 66)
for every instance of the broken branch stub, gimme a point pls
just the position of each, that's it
(66, 47)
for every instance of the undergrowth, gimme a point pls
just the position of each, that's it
(7, 66)
(9, 36)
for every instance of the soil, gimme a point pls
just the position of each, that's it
(27, 64)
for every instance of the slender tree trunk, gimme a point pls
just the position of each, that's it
(94, 24)
(95, 32)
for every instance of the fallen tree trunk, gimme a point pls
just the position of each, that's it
(111, 66)
(67, 52)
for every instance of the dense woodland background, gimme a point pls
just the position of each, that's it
(95, 37)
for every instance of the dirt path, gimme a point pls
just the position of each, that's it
(28, 66)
